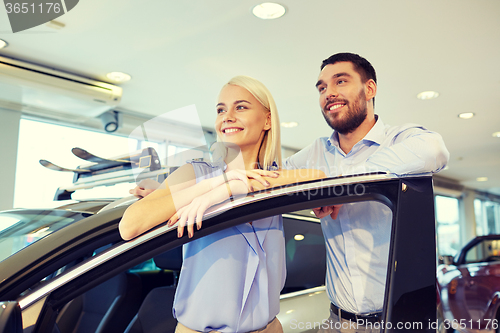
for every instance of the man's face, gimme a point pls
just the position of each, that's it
(342, 97)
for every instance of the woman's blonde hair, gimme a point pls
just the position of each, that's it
(270, 148)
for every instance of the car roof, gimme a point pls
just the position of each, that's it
(88, 205)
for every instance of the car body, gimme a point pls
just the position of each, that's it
(50, 283)
(470, 285)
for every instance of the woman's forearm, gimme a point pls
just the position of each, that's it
(158, 207)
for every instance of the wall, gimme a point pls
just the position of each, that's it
(9, 134)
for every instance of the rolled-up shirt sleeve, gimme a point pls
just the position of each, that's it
(414, 151)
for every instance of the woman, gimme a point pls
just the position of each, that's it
(230, 280)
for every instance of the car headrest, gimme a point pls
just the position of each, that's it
(171, 259)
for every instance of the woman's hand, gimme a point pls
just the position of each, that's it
(144, 188)
(191, 214)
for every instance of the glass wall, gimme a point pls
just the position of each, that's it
(36, 185)
(447, 225)
(487, 217)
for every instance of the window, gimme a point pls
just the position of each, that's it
(22, 228)
(448, 226)
(36, 185)
(487, 217)
(485, 251)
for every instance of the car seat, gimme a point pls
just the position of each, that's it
(155, 314)
(104, 309)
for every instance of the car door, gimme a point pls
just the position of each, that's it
(410, 295)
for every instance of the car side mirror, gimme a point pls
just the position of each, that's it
(10, 318)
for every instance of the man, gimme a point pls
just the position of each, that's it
(357, 235)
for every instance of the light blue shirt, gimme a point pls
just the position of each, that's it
(231, 280)
(357, 242)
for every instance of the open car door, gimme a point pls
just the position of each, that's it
(10, 318)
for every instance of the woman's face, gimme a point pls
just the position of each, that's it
(241, 119)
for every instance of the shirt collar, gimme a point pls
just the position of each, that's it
(376, 134)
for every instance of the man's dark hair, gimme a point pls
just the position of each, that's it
(361, 65)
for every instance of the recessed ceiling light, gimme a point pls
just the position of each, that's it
(118, 77)
(428, 95)
(466, 115)
(298, 237)
(3, 44)
(269, 10)
(289, 124)
(496, 134)
(481, 179)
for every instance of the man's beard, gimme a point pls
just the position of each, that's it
(351, 119)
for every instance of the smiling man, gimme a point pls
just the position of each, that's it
(357, 235)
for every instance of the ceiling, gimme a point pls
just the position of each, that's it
(181, 52)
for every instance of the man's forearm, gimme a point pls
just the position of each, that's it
(417, 154)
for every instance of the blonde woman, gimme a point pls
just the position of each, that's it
(230, 280)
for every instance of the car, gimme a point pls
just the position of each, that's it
(470, 286)
(79, 275)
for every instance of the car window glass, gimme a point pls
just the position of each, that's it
(65, 268)
(485, 251)
(305, 258)
(21, 228)
(305, 252)
(146, 266)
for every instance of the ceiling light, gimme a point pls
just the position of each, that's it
(118, 77)
(298, 237)
(428, 95)
(466, 115)
(3, 44)
(289, 124)
(496, 134)
(312, 213)
(269, 10)
(481, 179)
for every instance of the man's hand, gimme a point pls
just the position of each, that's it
(333, 211)
(145, 187)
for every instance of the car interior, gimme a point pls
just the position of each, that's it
(141, 299)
